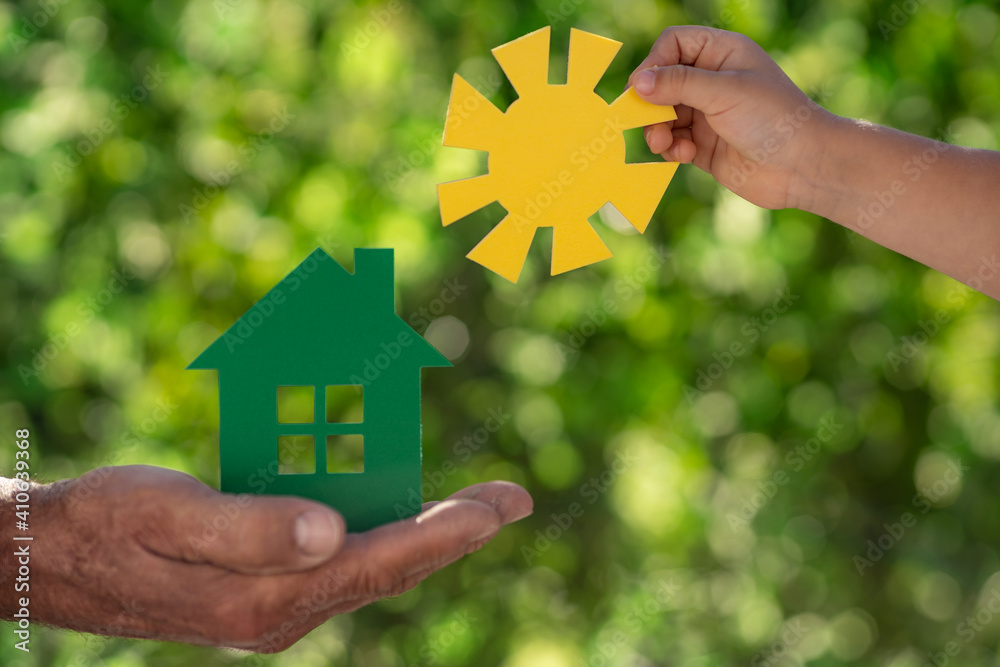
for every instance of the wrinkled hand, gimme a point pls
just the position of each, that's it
(138, 551)
(739, 117)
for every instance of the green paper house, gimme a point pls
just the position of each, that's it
(319, 392)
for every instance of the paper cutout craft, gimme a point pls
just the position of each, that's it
(323, 335)
(555, 156)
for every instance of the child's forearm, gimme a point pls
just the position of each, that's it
(934, 202)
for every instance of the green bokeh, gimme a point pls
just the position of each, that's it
(162, 165)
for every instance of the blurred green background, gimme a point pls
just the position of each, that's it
(118, 122)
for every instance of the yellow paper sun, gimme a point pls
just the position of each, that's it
(555, 156)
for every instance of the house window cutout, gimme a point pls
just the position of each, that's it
(296, 455)
(345, 453)
(296, 404)
(345, 404)
(299, 454)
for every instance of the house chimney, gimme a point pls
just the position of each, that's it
(373, 267)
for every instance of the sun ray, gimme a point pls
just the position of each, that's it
(575, 243)
(472, 120)
(589, 57)
(525, 61)
(458, 199)
(505, 249)
(638, 189)
(630, 110)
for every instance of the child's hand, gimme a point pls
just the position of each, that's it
(739, 117)
(743, 121)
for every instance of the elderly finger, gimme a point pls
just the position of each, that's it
(510, 501)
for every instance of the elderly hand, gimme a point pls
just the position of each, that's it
(133, 551)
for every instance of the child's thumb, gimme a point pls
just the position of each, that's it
(701, 89)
